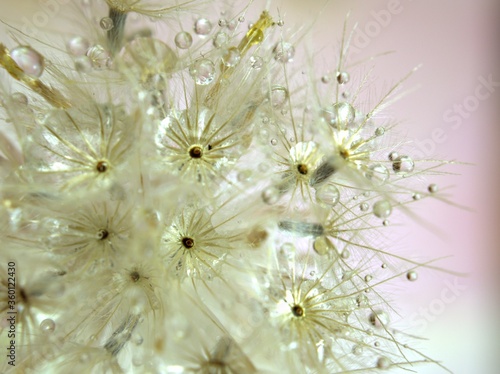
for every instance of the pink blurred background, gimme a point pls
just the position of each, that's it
(456, 41)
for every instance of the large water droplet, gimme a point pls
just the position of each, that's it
(383, 363)
(231, 57)
(271, 195)
(322, 245)
(340, 115)
(328, 194)
(183, 40)
(284, 52)
(98, 56)
(403, 164)
(412, 275)
(378, 318)
(377, 174)
(202, 71)
(202, 26)
(47, 326)
(29, 60)
(78, 46)
(382, 209)
(106, 23)
(279, 96)
(221, 39)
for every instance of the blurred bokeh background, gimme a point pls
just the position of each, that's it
(452, 115)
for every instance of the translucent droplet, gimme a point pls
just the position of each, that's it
(183, 40)
(328, 194)
(98, 56)
(202, 71)
(256, 62)
(270, 195)
(221, 39)
(379, 131)
(416, 196)
(403, 165)
(30, 61)
(322, 245)
(383, 266)
(342, 77)
(383, 363)
(325, 79)
(106, 23)
(432, 188)
(378, 318)
(83, 64)
(377, 174)
(274, 141)
(78, 46)
(284, 52)
(393, 156)
(345, 254)
(382, 209)
(231, 57)
(241, 19)
(368, 278)
(281, 23)
(364, 207)
(202, 26)
(47, 326)
(20, 98)
(385, 222)
(357, 350)
(412, 275)
(279, 96)
(340, 115)
(222, 22)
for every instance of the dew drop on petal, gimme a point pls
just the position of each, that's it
(412, 275)
(274, 141)
(20, 98)
(222, 22)
(403, 164)
(416, 196)
(328, 194)
(270, 195)
(183, 40)
(339, 115)
(284, 52)
(379, 131)
(202, 26)
(279, 96)
(357, 350)
(325, 79)
(364, 207)
(368, 278)
(78, 46)
(393, 156)
(202, 71)
(322, 245)
(382, 209)
(98, 56)
(383, 363)
(378, 318)
(432, 188)
(106, 23)
(83, 64)
(342, 77)
(256, 62)
(231, 57)
(378, 174)
(385, 222)
(280, 23)
(30, 61)
(47, 326)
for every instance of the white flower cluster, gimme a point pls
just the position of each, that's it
(180, 196)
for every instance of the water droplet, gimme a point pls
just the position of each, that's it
(83, 64)
(343, 77)
(47, 326)
(98, 56)
(379, 131)
(20, 98)
(30, 61)
(183, 40)
(416, 196)
(432, 188)
(322, 245)
(283, 52)
(256, 62)
(78, 46)
(382, 209)
(274, 141)
(357, 350)
(279, 96)
(222, 22)
(231, 57)
(241, 19)
(270, 195)
(364, 207)
(412, 275)
(281, 23)
(403, 165)
(202, 71)
(378, 318)
(325, 79)
(383, 363)
(377, 174)
(106, 23)
(345, 254)
(221, 39)
(383, 266)
(340, 115)
(368, 278)
(393, 156)
(202, 26)
(328, 194)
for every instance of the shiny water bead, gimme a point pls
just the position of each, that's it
(379, 131)
(222, 22)
(378, 318)
(78, 46)
(202, 26)
(412, 275)
(183, 40)
(377, 174)
(284, 52)
(383, 266)
(368, 278)
(231, 57)
(364, 207)
(343, 77)
(345, 254)
(279, 96)
(221, 39)
(30, 61)
(280, 23)
(328, 194)
(416, 196)
(47, 326)
(274, 141)
(241, 19)
(256, 62)
(270, 195)
(341, 115)
(385, 222)
(325, 79)
(383, 363)
(83, 64)
(432, 188)
(403, 165)
(202, 71)
(98, 56)
(19, 98)
(382, 209)
(393, 156)
(357, 350)
(322, 245)
(106, 23)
